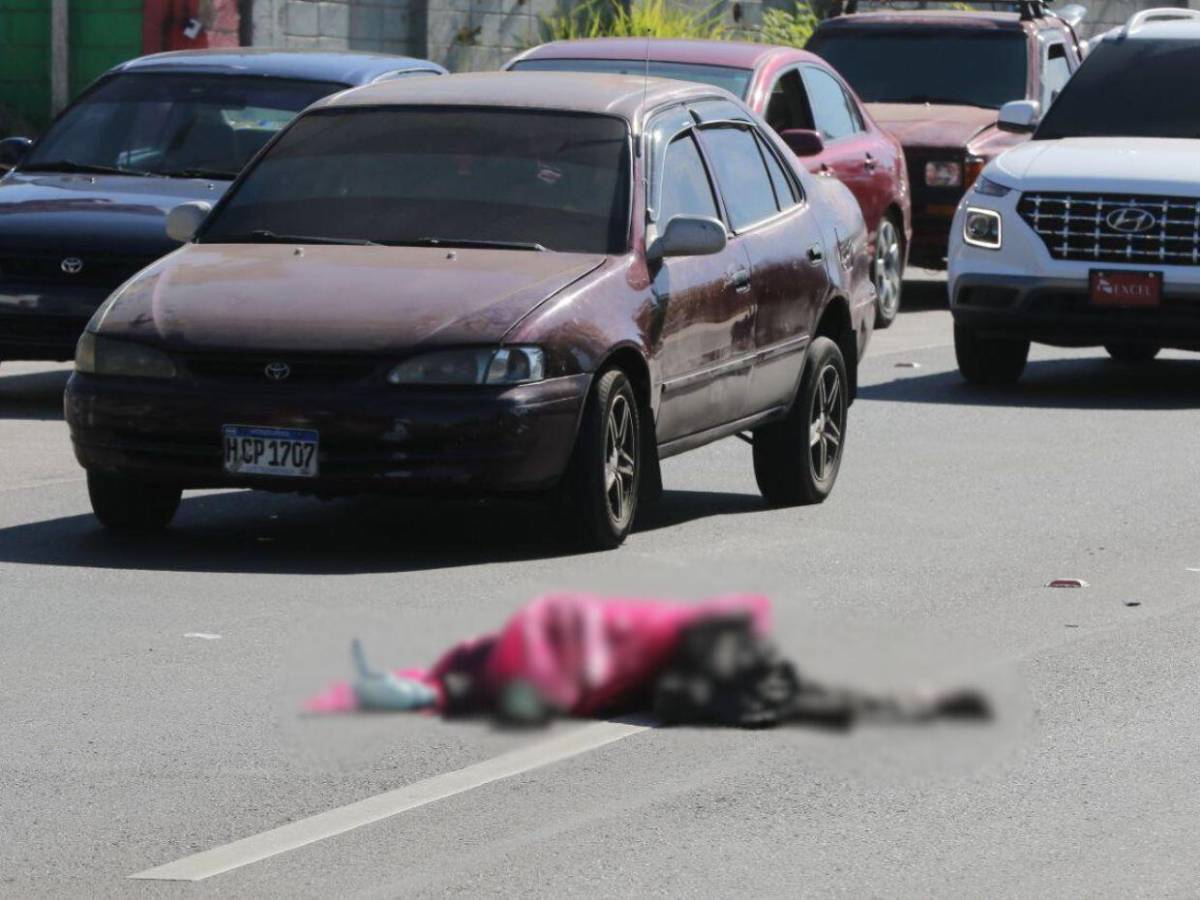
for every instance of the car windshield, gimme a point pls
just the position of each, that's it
(190, 125)
(984, 68)
(455, 176)
(1102, 100)
(736, 81)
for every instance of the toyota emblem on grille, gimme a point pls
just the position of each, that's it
(72, 265)
(277, 371)
(1131, 220)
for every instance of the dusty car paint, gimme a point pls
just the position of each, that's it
(707, 362)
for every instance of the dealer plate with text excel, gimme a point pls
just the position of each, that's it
(258, 450)
(1126, 288)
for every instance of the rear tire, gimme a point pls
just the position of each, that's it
(987, 360)
(600, 489)
(1132, 353)
(796, 460)
(131, 506)
(887, 271)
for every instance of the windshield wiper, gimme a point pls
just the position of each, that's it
(201, 173)
(266, 236)
(467, 242)
(68, 165)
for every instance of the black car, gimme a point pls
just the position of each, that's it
(83, 208)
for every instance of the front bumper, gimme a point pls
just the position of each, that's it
(1020, 291)
(44, 322)
(371, 440)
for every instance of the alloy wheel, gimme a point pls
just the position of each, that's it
(826, 423)
(620, 460)
(888, 272)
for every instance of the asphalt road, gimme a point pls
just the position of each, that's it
(127, 744)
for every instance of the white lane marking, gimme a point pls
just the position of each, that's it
(203, 635)
(382, 806)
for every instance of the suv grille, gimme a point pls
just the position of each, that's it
(1119, 228)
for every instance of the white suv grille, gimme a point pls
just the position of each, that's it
(1118, 228)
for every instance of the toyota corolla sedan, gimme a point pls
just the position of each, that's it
(487, 283)
(82, 208)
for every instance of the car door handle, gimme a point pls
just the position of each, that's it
(739, 280)
(869, 163)
(816, 255)
(825, 171)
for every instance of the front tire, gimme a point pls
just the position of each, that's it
(887, 271)
(796, 460)
(1132, 353)
(603, 480)
(131, 506)
(987, 360)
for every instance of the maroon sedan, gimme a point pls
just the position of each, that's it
(803, 99)
(486, 283)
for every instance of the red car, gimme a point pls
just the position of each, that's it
(803, 99)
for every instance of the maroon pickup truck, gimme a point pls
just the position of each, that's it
(936, 80)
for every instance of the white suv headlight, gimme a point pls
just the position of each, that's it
(983, 228)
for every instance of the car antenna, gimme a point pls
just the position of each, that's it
(646, 70)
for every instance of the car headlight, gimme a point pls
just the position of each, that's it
(98, 355)
(507, 365)
(982, 228)
(943, 174)
(989, 188)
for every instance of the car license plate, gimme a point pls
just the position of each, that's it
(1126, 288)
(255, 450)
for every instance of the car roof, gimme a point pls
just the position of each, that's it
(1170, 30)
(733, 54)
(933, 18)
(625, 96)
(344, 67)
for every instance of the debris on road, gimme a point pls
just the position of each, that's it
(203, 635)
(908, 365)
(584, 656)
(1067, 583)
(1133, 602)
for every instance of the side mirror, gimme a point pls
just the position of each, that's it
(688, 236)
(184, 221)
(1020, 116)
(13, 150)
(803, 142)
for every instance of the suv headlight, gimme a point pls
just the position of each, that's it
(989, 188)
(507, 365)
(983, 228)
(97, 355)
(943, 174)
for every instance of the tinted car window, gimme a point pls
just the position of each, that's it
(785, 196)
(686, 189)
(920, 65)
(741, 174)
(788, 107)
(830, 105)
(175, 124)
(1057, 74)
(736, 81)
(404, 175)
(1102, 100)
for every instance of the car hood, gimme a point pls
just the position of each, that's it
(81, 214)
(932, 125)
(1125, 165)
(336, 298)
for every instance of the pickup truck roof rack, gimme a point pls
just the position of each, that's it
(1028, 9)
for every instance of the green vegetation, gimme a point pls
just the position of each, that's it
(788, 29)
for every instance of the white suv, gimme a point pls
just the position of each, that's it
(1089, 234)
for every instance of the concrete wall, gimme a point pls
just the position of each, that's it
(389, 26)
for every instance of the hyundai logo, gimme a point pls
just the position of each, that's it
(72, 265)
(277, 371)
(1131, 220)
